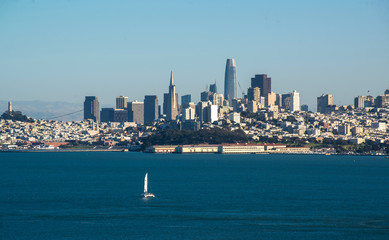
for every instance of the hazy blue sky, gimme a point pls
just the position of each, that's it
(64, 50)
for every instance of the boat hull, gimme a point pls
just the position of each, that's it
(148, 195)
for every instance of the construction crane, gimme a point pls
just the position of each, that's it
(241, 90)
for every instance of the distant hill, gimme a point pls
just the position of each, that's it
(46, 110)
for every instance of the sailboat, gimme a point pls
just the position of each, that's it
(146, 194)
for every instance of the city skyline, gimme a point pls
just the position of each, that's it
(127, 52)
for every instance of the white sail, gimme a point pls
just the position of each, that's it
(145, 187)
(146, 194)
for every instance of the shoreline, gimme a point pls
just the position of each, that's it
(126, 151)
(64, 150)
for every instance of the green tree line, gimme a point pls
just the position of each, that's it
(185, 137)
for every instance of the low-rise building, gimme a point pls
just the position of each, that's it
(161, 149)
(241, 148)
(197, 149)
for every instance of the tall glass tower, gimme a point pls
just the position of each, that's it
(230, 82)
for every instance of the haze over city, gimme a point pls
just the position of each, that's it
(65, 50)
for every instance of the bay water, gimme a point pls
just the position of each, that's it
(97, 195)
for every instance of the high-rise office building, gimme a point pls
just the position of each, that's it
(323, 102)
(279, 100)
(185, 100)
(211, 114)
(172, 102)
(252, 106)
(253, 94)
(107, 114)
(270, 99)
(121, 102)
(263, 82)
(200, 110)
(150, 108)
(382, 101)
(114, 115)
(369, 102)
(204, 96)
(188, 113)
(359, 102)
(230, 81)
(216, 99)
(92, 108)
(212, 88)
(295, 97)
(136, 112)
(120, 115)
(286, 101)
(164, 104)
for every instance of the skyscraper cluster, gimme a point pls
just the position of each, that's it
(212, 106)
(325, 103)
(381, 101)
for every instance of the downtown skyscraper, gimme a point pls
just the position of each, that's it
(323, 102)
(171, 101)
(230, 82)
(92, 108)
(150, 108)
(121, 102)
(263, 82)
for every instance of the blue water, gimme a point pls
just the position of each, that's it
(97, 196)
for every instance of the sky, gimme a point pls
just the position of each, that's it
(67, 49)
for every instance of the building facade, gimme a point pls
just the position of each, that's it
(253, 93)
(382, 101)
(92, 108)
(136, 112)
(230, 81)
(359, 102)
(172, 102)
(204, 96)
(120, 115)
(150, 108)
(211, 115)
(213, 88)
(216, 99)
(185, 100)
(106, 114)
(188, 113)
(295, 96)
(121, 102)
(114, 115)
(323, 102)
(201, 111)
(263, 82)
